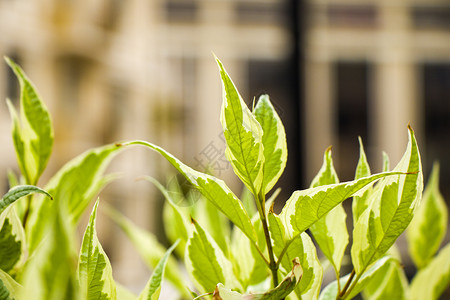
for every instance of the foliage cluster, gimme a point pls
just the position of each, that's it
(232, 247)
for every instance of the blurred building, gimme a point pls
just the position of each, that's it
(371, 67)
(112, 70)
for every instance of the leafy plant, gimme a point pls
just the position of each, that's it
(232, 247)
(39, 259)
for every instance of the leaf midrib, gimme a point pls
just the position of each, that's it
(227, 89)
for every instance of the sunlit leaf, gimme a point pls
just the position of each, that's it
(331, 290)
(206, 262)
(33, 134)
(248, 265)
(273, 140)
(123, 293)
(150, 250)
(248, 201)
(431, 281)
(360, 203)
(300, 246)
(330, 231)
(153, 287)
(305, 207)
(176, 222)
(94, 268)
(50, 274)
(428, 227)
(18, 192)
(12, 241)
(73, 186)
(392, 205)
(213, 189)
(281, 291)
(9, 288)
(389, 282)
(243, 135)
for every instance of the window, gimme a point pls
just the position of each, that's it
(71, 69)
(351, 90)
(278, 79)
(436, 17)
(260, 12)
(12, 84)
(352, 15)
(436, 100)
(181, 10)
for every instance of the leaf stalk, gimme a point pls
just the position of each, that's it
(273, 265)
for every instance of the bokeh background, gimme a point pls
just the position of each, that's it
(113, 70)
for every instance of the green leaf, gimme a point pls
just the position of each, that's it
(248, 201)
(50, 274)
(123, 293)
(273, 140)
(386, 162)
(303, 247)
(206, 262)
(286, 286)
(212, 188)
(34, 139)
(94, 268)
(12, 241)
(215, 223)
(392, 205)
(243, 134)
(431, 281)
(73, 186)
(10, 248)
(300, 246)
(330, 231)
(9, 288)
(331, 290)
(176, 222)
(305, 207)
(18, 192)
(360, 203)
(428, 227)
(281, 291)
(249, 267)
(153, 287)
(142, 241)
(389, 282)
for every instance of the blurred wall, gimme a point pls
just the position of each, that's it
(112, 70)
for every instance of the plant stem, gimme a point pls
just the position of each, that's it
(338, 280)
(347, 284)
(260, 201)
(27, 212)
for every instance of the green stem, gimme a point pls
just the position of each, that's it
(286, 246)
(27, 212)
(352, 286)
(260, 203)
(261, 254)
(347, 284)
(338, 280)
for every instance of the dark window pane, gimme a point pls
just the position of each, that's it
(181, 11)
(260, 13)
(436, 99)
(352, 15)
(352, 86)
(277, 79)
(431, 17)
(12, 84)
